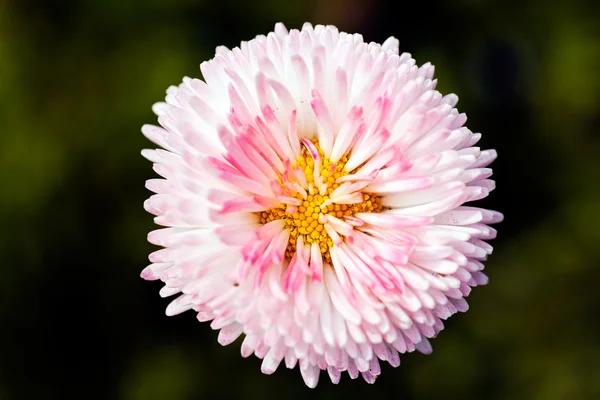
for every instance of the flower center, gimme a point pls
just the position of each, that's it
(314, 183)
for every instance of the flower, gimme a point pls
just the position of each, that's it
(313, 199)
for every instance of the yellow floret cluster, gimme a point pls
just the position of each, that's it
(305, 220)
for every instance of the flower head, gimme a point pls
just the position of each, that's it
(313, 198)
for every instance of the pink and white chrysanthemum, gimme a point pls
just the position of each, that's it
(313, 198)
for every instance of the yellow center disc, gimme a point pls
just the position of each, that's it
(304, 220)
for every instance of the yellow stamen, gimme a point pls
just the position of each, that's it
(305, 221)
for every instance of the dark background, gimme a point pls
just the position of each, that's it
(77, 79)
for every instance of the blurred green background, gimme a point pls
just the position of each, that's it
(77, 79)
